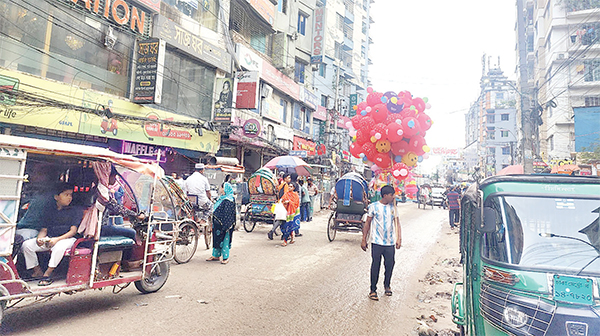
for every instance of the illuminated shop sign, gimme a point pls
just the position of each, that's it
(119, 11)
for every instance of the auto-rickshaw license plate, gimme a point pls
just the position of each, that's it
(573, 290)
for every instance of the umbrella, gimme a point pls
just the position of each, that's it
(514, 169)
(564, 169)
(290, 164)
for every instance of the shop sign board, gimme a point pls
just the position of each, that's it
(248, 59)
(120, 11)
(271, 109)
(225, 100)
(318, 42)
(9, 87)
(251, 128)
(146, 124)
(150, 62)
(191, 44)
(265, 8)
(246, 89)
(320, 113)
(280, 81)
(309, 146)
(298, 153)
(308, 98)
(353, 102)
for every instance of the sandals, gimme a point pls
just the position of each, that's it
(45, 282)
(225, 261)
(388, 292)
(212, 259)
(284, 243)
(373, 296)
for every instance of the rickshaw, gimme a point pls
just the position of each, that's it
(94, 261)
(263, 195)
(530, 249)
(351, 190)
(425, 197)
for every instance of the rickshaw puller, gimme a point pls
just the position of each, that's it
(56, 234)
(197, 184)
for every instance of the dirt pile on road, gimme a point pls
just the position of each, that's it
(433, 314)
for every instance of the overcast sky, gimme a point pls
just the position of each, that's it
(433, 49)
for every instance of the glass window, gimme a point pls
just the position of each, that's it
(364, 26)
(491, 150)
(324, 100)
(206, 12)
(592, 70)
(339, 21)
(74, 56)
(302, 23)
(505, 150)
(187, 86)
(282, 6)
(504, 134)
(283, 103)
(307, 118)
(299, 72)
(258, 41)
(323, 70)
(562, 237)
(504, 117)
(491, 118)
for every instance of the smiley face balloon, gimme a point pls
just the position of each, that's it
(383, 146)
(410, 159)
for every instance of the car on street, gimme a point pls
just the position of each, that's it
(437, 195)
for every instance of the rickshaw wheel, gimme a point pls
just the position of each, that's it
(208, 234)
(187, 241)
(249, 223)
(156, 280)
(331, 231)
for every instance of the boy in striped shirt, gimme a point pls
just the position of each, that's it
(382, 228)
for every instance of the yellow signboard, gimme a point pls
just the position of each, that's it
(48, 104)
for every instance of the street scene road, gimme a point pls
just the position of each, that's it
(313, 287)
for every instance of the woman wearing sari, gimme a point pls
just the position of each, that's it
(291, 201)
(223, 223)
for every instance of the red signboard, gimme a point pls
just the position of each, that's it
(320, 113)
(342, 122)
(305, 145)
(247, 90)
(280, 81)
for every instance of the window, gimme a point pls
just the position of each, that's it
(282, 6)
(491, 133)
(76, 56)
(504, 117)
(323, 70)
(491, 150)
(592, 70)
(592, 101)
(505, 150)
(283, 103)
(363, 51)
(339, 21)
(205, 11)
(258, 41)
(551, 142)
(504, 134)
(307, 119)
(365, 4)
(187, 86)
(337, 49)
(324, 100)
(302, 23)
(364, 26)
(499, 95)
(491, 118)
(299, 72)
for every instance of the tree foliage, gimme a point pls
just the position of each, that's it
(577, 5)
(590, 154)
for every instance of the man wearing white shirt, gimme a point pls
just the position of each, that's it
(197, 184)
(383, 229)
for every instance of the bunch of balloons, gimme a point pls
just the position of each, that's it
(389, 130)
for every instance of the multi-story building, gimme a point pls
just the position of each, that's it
(490, 123)
(134, 76)
(559, 59)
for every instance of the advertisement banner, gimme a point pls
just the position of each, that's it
(320, 113)
(249, 60)
(265, 8)
(353, 102)
(144, 125)
(587, 124)
(271, 109)
(224, 102)
(246, 90)
(150, 62)
(301, 144)
(190, 43)
(318, 42)
(280, 81)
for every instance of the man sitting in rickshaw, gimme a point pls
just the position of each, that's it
(197, 185)
(56, 234)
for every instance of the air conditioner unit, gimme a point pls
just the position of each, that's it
(294, 36)
(267, 91)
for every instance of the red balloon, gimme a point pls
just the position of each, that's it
(392, 117)
(356, 121)
(374, 98)
(369, 150)
(410, 126)
(382, 160)
(362, 137)
(400, 148)
(355, 150)
(379, 112)
(361, 106)
(405, 97)
(424, 121)
(367, 123)
(416, 145)
(408, 113)
(394, 132)
(419, 104)
(400, 171)
(378, 129)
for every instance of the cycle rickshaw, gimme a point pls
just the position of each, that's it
(263, 194)
(351, 191)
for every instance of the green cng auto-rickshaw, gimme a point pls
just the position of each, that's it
(530, 249)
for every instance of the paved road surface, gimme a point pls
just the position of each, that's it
(313, 287)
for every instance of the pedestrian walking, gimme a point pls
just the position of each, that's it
(304, 202)
(313, 191)
(382, 229)
(291, 201)
(453, 207)
(224, 217)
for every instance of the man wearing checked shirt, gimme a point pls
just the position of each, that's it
(383, 229)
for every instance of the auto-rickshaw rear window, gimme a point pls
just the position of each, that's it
(545, 232)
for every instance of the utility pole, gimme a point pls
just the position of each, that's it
(332, 115)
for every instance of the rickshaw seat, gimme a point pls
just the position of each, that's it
(114, 242)
(355, 207)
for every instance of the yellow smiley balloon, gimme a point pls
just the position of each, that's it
(410, 159)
